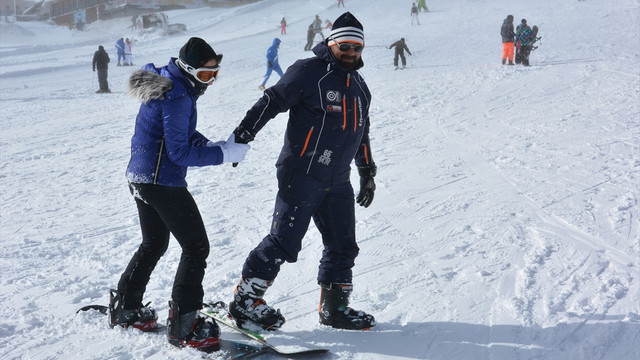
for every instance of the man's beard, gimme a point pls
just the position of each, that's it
(350, 62)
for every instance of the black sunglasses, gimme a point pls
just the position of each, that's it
(344, 47)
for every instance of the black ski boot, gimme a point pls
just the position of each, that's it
(142, 317)
(248, 305)
(192, 330)
(335, 312)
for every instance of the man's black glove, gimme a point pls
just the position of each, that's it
(367, 185)
(243, 136)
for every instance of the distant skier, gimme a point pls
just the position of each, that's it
(506, 31)
(272, 62)
(283, 26)
(317, 27)
(120, 50)
(422, 5)
(400, 47)
(328, 24)
(128, 52)
(340, 2)
(414, 14)
(523, 43)
(101, 62)
(310, 35)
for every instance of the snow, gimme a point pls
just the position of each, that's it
(505, 221)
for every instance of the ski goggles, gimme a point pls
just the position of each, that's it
(205, 75)
(345, 46)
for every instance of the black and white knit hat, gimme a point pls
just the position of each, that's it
(346, 28)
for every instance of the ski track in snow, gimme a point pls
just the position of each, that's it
(505, 223)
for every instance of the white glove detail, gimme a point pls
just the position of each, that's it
(232, 151)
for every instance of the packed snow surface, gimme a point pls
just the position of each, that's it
(505, 220)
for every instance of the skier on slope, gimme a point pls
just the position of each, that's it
(120, 50)
(328, 129)
(165, 143)
(272, 62)
(101, 62)
(400, 47)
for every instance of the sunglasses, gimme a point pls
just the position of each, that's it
(344, 47)
(204, 74)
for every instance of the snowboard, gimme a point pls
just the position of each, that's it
(233, 349)
(218, 311)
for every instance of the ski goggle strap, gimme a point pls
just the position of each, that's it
(205, 75)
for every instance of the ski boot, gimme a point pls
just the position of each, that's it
(334, 311)
(248, 305)
(192, 330)
(143, 318)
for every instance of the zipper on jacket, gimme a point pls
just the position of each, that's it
(344, 104)
(355, 114)
(156, 172)
(306, 141)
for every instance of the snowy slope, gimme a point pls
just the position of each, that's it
(505, 224)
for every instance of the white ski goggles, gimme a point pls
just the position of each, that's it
(206, 75)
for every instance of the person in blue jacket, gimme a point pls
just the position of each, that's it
(272, 62)
(165, 143)
(120, 50)
(328, 103)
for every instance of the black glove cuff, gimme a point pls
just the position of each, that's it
(243, 136)
(368, 170)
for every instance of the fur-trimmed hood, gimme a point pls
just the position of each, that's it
(149, 85)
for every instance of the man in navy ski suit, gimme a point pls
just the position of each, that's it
(328, 103)
(272, 62)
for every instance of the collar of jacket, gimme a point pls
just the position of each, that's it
(178, 75)
(323, 51)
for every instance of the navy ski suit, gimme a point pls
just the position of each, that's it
(328, 128)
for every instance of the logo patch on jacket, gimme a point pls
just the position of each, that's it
(334, 96)
(334, 108)
(325, 158)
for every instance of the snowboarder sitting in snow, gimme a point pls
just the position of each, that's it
(165, 143)
(400, 47)
(101, 62)
(313, 177)
(272, 62)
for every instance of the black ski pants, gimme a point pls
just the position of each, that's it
(165, 210)
(102, 79)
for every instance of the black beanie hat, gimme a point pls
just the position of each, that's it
(346, 28)
(524, 21)
(196, 52)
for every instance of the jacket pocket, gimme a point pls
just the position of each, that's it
(306, 142)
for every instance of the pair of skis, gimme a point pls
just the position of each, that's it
(236, 349)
